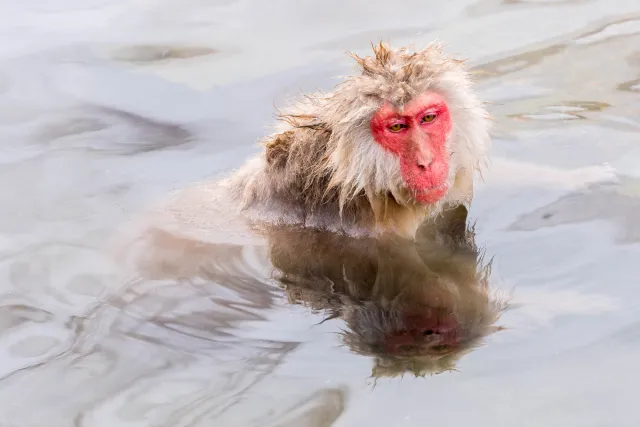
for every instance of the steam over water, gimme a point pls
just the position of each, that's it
(107, 107)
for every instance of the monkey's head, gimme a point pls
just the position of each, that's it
(403, 129)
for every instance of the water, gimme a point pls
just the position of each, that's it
(108, 106)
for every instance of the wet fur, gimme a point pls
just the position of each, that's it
(324, 169)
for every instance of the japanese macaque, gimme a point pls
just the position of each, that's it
(386, 149)
(415, 307)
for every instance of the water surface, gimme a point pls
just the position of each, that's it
(108, 106)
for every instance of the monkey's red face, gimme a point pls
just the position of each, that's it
(418, 137)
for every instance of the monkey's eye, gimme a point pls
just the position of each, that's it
(397, 127)
(429, 117)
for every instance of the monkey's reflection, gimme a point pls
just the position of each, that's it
(415, 306)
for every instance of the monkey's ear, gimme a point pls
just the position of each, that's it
(277, 149)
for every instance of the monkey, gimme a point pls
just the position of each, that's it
(388, 151)
(396, 144)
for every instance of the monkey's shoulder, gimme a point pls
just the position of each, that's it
(297, 146)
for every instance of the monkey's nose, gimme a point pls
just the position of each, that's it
(423, 164)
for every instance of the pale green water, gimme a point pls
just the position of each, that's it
(106, 106)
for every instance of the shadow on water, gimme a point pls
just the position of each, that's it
(414, 307)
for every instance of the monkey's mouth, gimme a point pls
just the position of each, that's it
(430, 195)
(442, 186)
